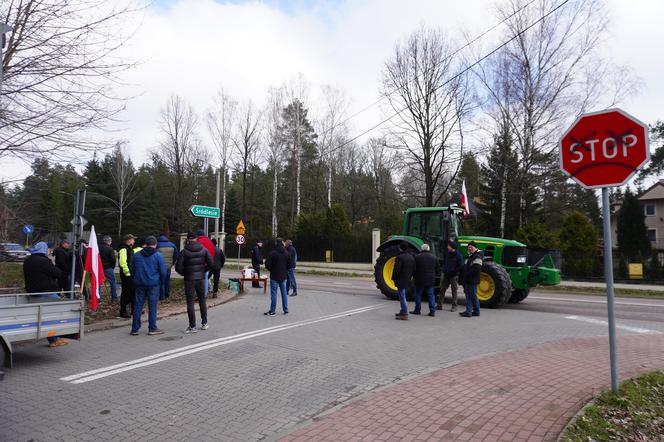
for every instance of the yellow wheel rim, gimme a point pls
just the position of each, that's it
(486, 288)
(387, 273)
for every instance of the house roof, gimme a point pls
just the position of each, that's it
(654, 192)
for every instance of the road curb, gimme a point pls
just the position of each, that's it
(179, 309)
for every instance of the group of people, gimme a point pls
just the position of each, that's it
(281, 263)
(419, 272)
(145, 272)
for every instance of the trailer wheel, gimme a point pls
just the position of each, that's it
(495, 285)
(519, 295)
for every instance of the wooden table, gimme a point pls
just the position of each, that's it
(262, 279)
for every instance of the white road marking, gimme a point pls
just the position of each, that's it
(618, 326)
(592, 301)
(189, 349)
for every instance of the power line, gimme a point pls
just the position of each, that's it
(458, 50)
(463, 71)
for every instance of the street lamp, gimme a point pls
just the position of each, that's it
(4, 28)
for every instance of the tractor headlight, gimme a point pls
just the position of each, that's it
(521, 259)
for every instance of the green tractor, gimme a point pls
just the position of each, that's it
(506, 274)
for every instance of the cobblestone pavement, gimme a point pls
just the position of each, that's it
(244, 380)
(524, 395)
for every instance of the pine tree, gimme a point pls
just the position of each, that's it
(578, 244)
(632, 232)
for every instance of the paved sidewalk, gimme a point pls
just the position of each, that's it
(524, 395)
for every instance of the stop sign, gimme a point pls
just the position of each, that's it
(604, 148)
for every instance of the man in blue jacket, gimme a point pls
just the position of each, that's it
(148, 269)
(170, 253)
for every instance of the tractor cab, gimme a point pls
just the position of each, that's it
(434, 226)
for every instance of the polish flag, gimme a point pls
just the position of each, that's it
(464, 199)
(94, 267)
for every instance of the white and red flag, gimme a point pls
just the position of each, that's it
(94, 267)
(464, 199)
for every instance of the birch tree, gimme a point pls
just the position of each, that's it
(331, 130)
(297, 91)
(124, 180)
(275, 151)
(430, 100)
(221, 121)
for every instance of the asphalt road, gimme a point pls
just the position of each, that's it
(255, 377)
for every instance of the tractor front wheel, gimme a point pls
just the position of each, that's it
(495, 285)
(383, 272)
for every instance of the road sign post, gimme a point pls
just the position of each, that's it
(239, 240)
(602, 150)
(28, 229)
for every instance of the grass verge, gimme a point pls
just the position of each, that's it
(636, 414)
(599, 291)
(11, 274)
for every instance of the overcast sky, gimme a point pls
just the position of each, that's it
(193, 47)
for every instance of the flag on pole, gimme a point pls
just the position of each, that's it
(464, 199)
(94, 267)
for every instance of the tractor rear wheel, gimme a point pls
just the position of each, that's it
(495, 286)
(383, 272)
(519, 295)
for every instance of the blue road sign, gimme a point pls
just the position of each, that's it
(28, 229)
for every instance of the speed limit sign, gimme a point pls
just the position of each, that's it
(239, 240)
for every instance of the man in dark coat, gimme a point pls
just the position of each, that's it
(41, 276)
(205, 241)
(170, 254)
(193, 263)
(218, 262)
(278, 262)
(427, 267)
(63, 258)
(402, 275)
(471, 278)
(125, 255)
(256, 261)
(148, 269)
(291, 282)
(451, 270)
(108, 261)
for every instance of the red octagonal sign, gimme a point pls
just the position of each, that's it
(604, 149)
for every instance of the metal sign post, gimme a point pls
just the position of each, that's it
(78, 221)
(239, 240)
(605, 149)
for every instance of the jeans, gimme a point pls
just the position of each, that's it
(165, 289)
(290, 282)
(281, 285)
(430, 296)
(109, 274)
(402, 301)
(193, 289)
(152, 295)
(472, 303)
(206, 282)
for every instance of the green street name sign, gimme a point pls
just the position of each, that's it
(205, 211)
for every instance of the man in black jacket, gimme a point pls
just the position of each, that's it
(278, 262)
(256, 261)
(471, 277)
(291, 282)
(41, 276)
(402, 275)
(427, 267)
(63, 257)
(451, 270)
(108, 261)
(193, 262)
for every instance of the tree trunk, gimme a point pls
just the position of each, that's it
(275, 183)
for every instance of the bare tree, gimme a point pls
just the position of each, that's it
(297, 91)
(431, 100)
(60, 67)
(221, 121)
(275, 148)
(331, 130)
(547, 74)
(180, 149)
(124, 181)
(246, 144)
(380, 158)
